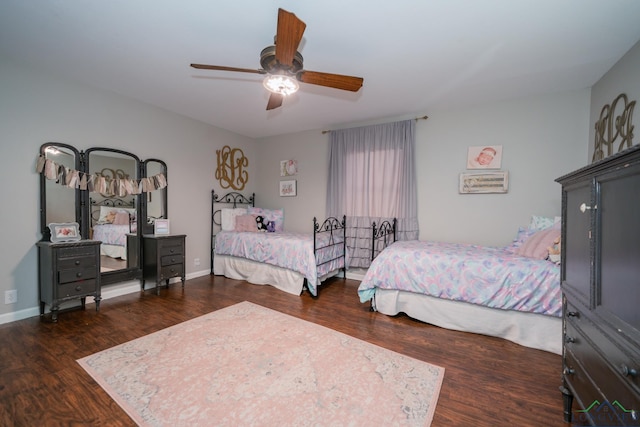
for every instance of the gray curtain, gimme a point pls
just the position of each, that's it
(372, 178)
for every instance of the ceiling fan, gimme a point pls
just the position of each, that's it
(283, 64)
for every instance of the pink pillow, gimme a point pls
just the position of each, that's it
(537, 245)
(246, 223)
(122, 218)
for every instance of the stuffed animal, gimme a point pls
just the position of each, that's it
(271, 226)
(262, 225)
(554, 251)
(110, 217)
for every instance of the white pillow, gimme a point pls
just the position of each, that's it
(106, 210)
(228, 217)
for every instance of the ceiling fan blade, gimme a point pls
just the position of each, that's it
(218, 67)
(337, 81)
(275, 101)
(288, 36)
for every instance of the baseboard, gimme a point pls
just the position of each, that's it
(109, 291)
(356, 273)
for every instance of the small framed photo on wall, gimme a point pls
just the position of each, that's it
(484, 157)
(288, 188)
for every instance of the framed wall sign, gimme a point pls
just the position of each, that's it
(484, 182)
(161, 226)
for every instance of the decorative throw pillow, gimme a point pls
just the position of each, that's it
(122, 218)
(246, 223)
(522, 235)
(537, 245)
(228, 217)
(275, 215)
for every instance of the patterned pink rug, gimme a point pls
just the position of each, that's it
(250, 365)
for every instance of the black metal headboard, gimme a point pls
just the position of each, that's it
(110, 202)
(232, 199)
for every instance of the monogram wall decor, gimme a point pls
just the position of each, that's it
(230, 172)
(615, 121)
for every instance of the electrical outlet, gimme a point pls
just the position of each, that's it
(11, 297)
(196, 262)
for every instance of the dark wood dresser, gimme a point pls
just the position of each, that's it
(164, 258)
(68, 271)
(601, 291)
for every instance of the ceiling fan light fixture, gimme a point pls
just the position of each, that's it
(281, 84)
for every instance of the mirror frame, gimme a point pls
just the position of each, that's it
(83, 206)
(44, 226)
(147, 228)
(129, 273)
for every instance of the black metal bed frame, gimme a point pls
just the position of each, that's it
(383, 233)
(331, 225)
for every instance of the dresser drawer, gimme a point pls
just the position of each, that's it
(171, 247)
(77, 262)
(171, 260)
(77, 251)
(606, 371)
(585, 392)
(171, 271)
(76, 289)
(77, 274)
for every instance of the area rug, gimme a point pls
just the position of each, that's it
(247, 365)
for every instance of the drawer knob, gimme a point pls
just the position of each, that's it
(77, 262)
(627, 371)
(78, 288)
(573, 314)
(79, 274)
(568, 371)
(584, 207)
(569, 339)
(172, 250)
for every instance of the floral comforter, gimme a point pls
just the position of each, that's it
(293, 251)
(488, 276)
(111, 234)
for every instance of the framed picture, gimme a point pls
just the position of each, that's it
(161, 226)
(288, 188)
(288, 167)
(484, 157)
(484, 182)
(64, 231)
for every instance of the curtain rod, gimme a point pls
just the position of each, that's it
(416, 119)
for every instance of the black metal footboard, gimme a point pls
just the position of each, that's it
(335, 244)
(382, 236)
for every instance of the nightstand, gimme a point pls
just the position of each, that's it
(68, 270)
(163, 258)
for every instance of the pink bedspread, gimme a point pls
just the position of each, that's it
(488, 276)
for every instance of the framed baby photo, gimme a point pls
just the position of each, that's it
(484, 157)
(64, 231)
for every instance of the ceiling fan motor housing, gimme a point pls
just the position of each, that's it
(271, 65)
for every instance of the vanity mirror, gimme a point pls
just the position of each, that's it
(113, 196)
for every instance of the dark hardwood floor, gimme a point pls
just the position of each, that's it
(488, 381)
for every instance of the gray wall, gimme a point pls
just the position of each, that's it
(621, 78)
(543, 138)
(37, 108)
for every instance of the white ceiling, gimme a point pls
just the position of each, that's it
(414, 56)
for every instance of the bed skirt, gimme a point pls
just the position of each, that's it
(113, 251)
(259, 273)
(528, 329)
